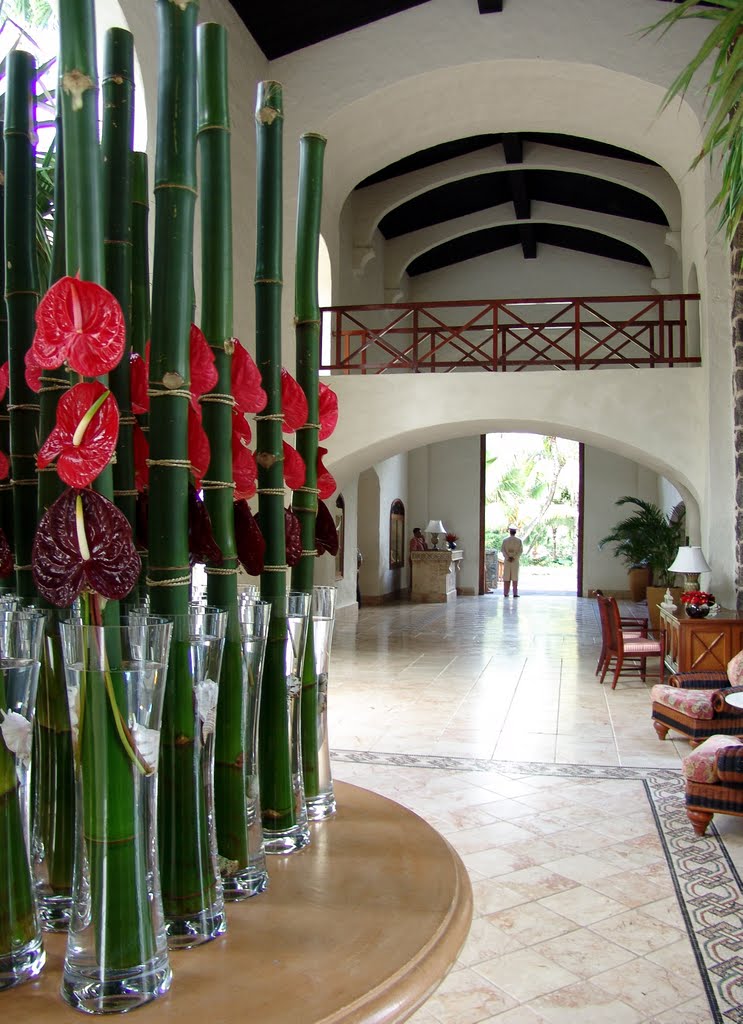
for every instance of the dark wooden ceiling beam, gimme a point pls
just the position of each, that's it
(490, 6)
(528, 239)
(513, 147)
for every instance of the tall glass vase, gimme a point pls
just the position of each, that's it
(21, 952)
(193, 898)
(242, 854)
(117, 956)
(318, 779)
(285, 823)
(53, 834)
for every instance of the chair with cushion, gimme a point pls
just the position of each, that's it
(714, 780)
(632, 628)
(693, 703)
(635, 650)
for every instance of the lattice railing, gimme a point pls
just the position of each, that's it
(510, 335)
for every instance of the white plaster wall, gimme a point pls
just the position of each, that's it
(454, 498)
(380, 486)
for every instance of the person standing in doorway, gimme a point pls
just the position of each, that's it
(511, 549)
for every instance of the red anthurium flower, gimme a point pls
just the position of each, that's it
(293, 403)
(4, 376)
(82, 323)
(326, 485)
(246, 381)
(33, 371)
(326, 533)
(7, 565)
(138, 384)
(202, 547)
(293, 536)
(198, 444)
(244, 469)
(4, 465)
(141, 449)
(83, 543)
(249, 541)
(84, 437)
(204, 374)
(328, 406)
(295, 471)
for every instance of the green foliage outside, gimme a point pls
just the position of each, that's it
(531, 483)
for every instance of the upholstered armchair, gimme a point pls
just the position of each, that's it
(714, 780)
(693, 703)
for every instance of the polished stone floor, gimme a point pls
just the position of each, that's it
(485, 717)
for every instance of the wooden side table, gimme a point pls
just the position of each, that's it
(701, 645)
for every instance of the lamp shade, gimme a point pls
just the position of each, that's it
(435, 526)
(689, 560)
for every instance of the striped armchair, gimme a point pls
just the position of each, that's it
(693, 703)
(714, 780)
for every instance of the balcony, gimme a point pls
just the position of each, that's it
(499, 335)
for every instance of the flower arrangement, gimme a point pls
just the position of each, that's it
(697, 598)
(451, 538)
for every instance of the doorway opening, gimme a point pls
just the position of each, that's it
(533, 482)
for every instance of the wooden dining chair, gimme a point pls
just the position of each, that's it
(635, 650)
(633, 628)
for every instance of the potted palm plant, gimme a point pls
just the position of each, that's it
(647, 541)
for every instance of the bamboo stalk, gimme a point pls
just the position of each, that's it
(6, 493)
(187, 885)
(277, 801)
(304, 501)
(117, 135)
(140, 320)
(22, 296)
(232, 755)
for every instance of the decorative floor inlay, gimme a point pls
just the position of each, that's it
(704, 877)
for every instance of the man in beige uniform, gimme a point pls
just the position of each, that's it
(511, 548)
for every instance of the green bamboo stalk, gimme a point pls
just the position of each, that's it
(116, 144)
(304, 502)
(6, 492)
(187, 886)
(140, 323)
(277, 800)
(232, 755)
(22, 296)
(117, 867)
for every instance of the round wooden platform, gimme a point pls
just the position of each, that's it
(361, 926)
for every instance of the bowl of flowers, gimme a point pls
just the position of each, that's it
(697, 603)
(451, 540)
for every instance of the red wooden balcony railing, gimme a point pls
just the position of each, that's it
(513, 334)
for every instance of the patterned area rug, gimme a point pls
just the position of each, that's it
(706, 881)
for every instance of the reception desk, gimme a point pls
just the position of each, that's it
(701, 645)
(434, 575)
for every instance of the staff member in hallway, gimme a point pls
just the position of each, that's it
(511, 549)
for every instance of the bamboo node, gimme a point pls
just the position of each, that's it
(24, 483)
(27, 407)
(180, 581)
(306, 323)
(311, 553)
(217, 399)
(182, 5)
(76, 84)
(220, 572)
(217, 485)
(271, 490)
(159, 392)
(172, 380)
(309, 426)
(170, 463)
(127, 421)
(267, 459)
(275, 568)
(23, 568)
(307, 490)
(131, 493)
(268, 417)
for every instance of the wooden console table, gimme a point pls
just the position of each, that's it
(701, 645)
(435, 575)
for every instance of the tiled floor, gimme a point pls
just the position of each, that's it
(594, 902)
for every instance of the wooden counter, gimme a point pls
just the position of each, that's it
(701, 645)
(435, 575)
(361, 926)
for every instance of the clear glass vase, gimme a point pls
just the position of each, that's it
(21, 951)
(242, 854)
(318, 779)
(284, 811)
(117, 955)
(193, 898)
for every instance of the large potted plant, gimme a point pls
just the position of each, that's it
(648, 539)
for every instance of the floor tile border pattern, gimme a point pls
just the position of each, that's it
(707, 884)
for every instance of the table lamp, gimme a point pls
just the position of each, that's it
(434, 528)
(690, 561)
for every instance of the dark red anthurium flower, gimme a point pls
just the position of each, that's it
(83, 542)
(141, 449)
(4, 465)
(7, 565)
(249, 541)
(202, 547)
(138, 384)
(244, 469)
(83, 439)
(204, 374)
(246, 381)
(198, 444)
(326, 533)
(326, 485)
(293, 403)
(81, 323)
(33, 371)
(293, 537)
(328, 408)
(295, 471)
(4, 376)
